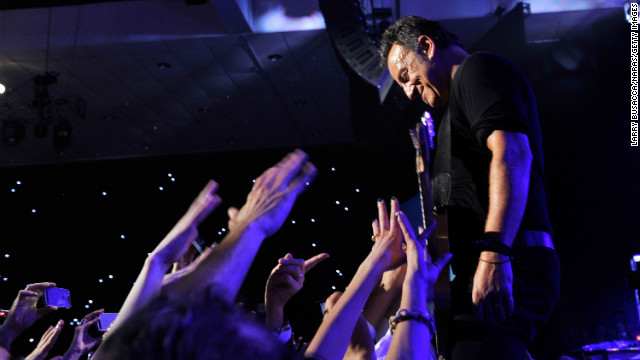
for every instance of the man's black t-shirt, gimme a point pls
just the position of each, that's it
(489, 93)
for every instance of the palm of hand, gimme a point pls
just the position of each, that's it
(85, 342)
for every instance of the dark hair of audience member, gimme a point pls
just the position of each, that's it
(198, 327)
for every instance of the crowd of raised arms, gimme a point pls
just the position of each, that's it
(181, 306)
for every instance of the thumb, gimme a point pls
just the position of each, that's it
(442, 261)
(45, 310)
(232, 212)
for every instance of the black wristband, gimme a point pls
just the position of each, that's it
(490, 243)
(405, 314)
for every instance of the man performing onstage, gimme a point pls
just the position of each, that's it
(506, 270)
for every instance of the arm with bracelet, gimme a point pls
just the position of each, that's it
(509, 173)
(333, 337)
(412, 326)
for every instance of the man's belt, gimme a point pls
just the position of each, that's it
(533, 238)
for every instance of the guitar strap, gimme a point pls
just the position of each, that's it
(441, 182)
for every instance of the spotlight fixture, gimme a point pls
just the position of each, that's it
(13, 132)
(2, 88)
(163, 65)
(274, 57)
(61, 135)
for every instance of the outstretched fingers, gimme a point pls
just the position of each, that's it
(39, 287)
(292, 165)
(407, 231)
(383, 215)
(312, 262)
(204, 204)
(303, 179)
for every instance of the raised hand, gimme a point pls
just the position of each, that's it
(170, 250)
(24, 313)
(274, 192)
(387, 235)
(175, 245)
(409, 340)
(224, 268)
(46, 343)
(82, 342)
(418, 259)
(287, 278)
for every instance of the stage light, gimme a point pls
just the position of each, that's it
(2, 89)
(61, 135)
(13, 132)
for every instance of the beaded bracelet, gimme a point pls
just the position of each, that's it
(405, 314)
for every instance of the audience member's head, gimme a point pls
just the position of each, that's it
(197, 327)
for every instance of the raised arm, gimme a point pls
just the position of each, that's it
(333, 336)
(412, 335)
(285, 280)
(24, 313)
(46, 343)
(82, 341)
(385, 296)
(268, 205)
(171, 249)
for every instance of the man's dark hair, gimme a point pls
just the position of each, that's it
(202, 327)
(405, 32)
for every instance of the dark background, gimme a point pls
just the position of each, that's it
(74, 237)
